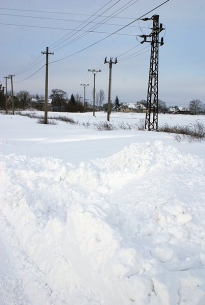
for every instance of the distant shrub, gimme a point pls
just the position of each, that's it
(41, 118)
(31, 115)
(141, 125)
(125, 126)
(191, 132)
(50, 122)
(104, 126)
(86, 125)
(65, 119)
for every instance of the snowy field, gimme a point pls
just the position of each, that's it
(91, 217)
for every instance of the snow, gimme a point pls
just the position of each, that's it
(101, 217)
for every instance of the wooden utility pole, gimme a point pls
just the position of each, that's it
(94, 72)
(6, 77)
(12, 92)
(46, 86)
(84, 85)
(110, 62)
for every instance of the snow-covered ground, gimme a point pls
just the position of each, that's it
(101, 217)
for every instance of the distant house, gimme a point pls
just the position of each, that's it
(40, 104)
(184, 110)
(132, 107)
(179, 110)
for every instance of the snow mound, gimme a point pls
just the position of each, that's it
(121, 230)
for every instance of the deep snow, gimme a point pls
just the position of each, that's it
(100, 217)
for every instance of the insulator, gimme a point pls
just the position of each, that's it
(145, 19)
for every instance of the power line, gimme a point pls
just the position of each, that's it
(60, 19)
(31, 75)
(130, 50)
(121, 9)
(134, 54)
(63, 38)
(30, 65)
(60, 13)
(34, 61)
(47, 27)
(129, 57)
(111, 33)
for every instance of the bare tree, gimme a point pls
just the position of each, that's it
(78, 98)
(58, 97)
(24, 98)
(196, 107)
(101, 97)
(97, 99)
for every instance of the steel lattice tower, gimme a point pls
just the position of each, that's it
(151, 120)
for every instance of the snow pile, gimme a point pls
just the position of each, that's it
(128, 229)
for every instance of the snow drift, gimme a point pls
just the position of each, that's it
(128, 229)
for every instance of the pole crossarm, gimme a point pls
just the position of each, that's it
(94, 73)
(151, 120)
(110, 62)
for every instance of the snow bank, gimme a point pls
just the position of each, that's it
(120, 230)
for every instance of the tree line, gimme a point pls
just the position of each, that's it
(61, 102)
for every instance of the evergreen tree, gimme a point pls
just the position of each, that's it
(117, 102)
(72, 99)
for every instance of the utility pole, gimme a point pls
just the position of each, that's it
(110, 62)
(2, 93)
(151, 120)
(6, 77)
(46, 86)
(84, 85)
(12, 92)
(94, 73)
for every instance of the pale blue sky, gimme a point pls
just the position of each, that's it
(181, 59)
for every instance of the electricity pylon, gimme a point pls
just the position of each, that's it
(151, 120)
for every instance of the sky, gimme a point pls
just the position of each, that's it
(82, 33)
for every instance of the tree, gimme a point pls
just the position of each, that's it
(58, 97)
(203, 110)
(24, 98)
(142, 102)
(196, 107)
(2, 97)
(97, 99)
(36, 96)
(78, 98)
(74, 106)
(117, 102)
(72, 99)
(162, 107)
(101, 97)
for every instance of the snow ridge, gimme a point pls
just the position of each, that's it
(119, 230)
